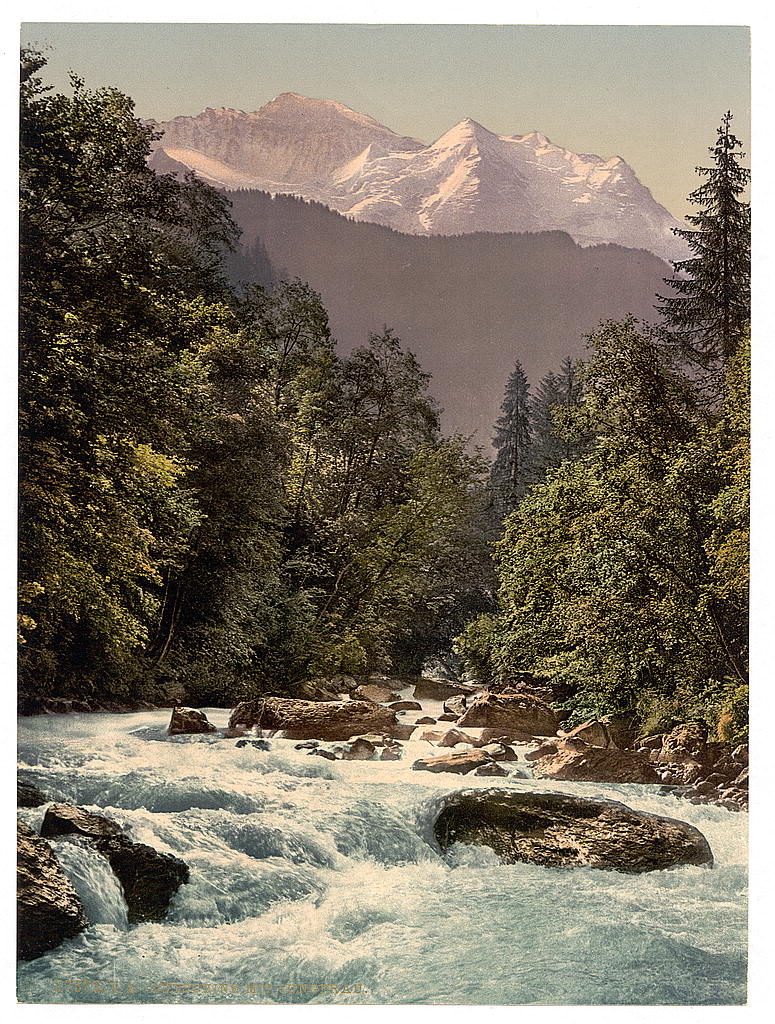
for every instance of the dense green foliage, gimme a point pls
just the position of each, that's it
(621, 573)
(213, 502)
(624, 568)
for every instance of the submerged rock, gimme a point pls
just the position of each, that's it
(569, 831)
(577, 761)
(323, 720)
(48, 907)
(512, 713)
(493, 768)
(149, 878)
(359, 749)
(405, 705)
(28, 794)
(460, 763)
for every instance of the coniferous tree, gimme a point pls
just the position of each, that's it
(512, 441)
(551, 444)
(707, 316)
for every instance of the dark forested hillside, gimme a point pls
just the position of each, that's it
(467, 305)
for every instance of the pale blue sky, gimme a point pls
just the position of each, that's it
(653, 95)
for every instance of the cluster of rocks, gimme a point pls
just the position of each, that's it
(48, 907)
(702, 771)
(369, 747)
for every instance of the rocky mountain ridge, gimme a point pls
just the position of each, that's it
(468, 180)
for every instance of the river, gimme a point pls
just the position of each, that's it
(319, 882)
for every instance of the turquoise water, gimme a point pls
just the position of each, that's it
(319, 882)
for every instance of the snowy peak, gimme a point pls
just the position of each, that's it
(470, 179)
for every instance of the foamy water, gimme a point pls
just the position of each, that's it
(319, 881)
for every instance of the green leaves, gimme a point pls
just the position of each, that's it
(623, 573)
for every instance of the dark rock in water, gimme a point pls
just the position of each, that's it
(569, 831)
(499, 752)
(256, 744)
(323, 752)
(149, 879)
(405, 705)
(517, 773)
(391, 753)
(511, 712)
(577, 761)
(359, 749)
(188, 721)
(322, 720)
(425, 720)
(402, 731)
(441, 689)
(65, 820)
(493, 768)
(306, 745)
(28, 794)
(48, 907)
(447, 717)
(460, 763)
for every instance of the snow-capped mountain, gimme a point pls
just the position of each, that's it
(468, 180)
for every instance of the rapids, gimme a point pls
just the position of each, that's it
(315, 881)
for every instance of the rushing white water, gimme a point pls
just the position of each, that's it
(318, 881)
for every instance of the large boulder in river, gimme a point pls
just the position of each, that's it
(441, 689)
(515, 714)
(188, 721)
(315, 720)
(149, 878)
(460, 763)
(576, 761)
(557, 830)
(48, 907)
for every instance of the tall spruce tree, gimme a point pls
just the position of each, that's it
(708, 314)
(510, 471)
(551, 444)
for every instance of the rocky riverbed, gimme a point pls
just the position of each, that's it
(317, 871)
